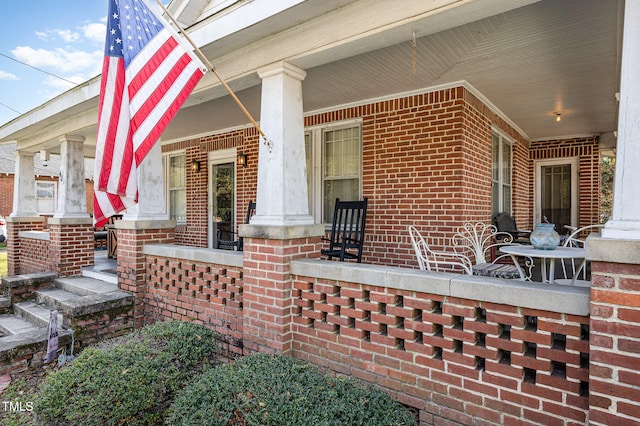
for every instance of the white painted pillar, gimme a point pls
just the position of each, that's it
(625, 217)
(282, 198)
(151, 201)
(24, 186)
(72, 192)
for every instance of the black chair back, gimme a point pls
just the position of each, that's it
(347, 230)
(504, 222)
(233, 242)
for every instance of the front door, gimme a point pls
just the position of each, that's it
(557, 193)
(223, 216)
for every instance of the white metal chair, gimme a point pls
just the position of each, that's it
(478, 241)
(577, 238)
(429, 260)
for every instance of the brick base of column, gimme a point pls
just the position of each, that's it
(132, 277)
(15, 225)
(614, 395)
(72, 245)
(268, 289)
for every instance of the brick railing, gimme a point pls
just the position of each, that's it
(465, 349)
(36, 255)
(199, 285)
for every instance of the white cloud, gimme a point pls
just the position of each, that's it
(43, 35)
(67, 60)
(7, 76)
(94, 31)
(67, 36)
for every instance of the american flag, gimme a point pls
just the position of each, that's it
(146, 76)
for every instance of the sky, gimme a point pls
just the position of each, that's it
(64, 38)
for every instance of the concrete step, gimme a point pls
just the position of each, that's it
(36, 314)
(74, 305)
(5, 302)
(23, 333)
(12, 325)
(107, 275)
(22, 337)
(85, 286)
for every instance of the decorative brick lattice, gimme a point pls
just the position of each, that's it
(449, 357)
(36, 256)
(203, 293)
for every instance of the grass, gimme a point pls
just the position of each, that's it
(3, 262)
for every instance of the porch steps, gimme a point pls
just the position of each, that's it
(23, 331)
(106, 275)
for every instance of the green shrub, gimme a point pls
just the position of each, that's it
(130, 380)
(277, 390)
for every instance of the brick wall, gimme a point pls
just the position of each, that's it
(615, 346)
(588, 154)
(14, 247)
(132, 266)
(6, 195)
(422, 157)
(186, 290)
(39, 256)
(455, 359)
(267, 292)
(426, 161)
(72, 247)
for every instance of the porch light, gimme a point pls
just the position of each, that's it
(195, 165)
(242, 159)
(44, 156)
(558, 115)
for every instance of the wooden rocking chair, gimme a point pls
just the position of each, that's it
(347, 230)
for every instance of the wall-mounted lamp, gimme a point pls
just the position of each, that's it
(242, 159)
(44, 156)
(195, 165)
(558, 115)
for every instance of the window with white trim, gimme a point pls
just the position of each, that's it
(334, 167)
(46, 197)
(176, 186)
(501, 172)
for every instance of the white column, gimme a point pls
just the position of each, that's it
(625, 217)
(24, 186)
(151, 203)
(282, 198)
(72, 193)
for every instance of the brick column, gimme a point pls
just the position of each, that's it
(132, 236)
(268, 287)
(72, 244)
(15, 225)
(614, 377)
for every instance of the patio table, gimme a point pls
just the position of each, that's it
(559, 253)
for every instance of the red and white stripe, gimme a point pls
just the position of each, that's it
(136, 105)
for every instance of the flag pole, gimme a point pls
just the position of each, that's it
(213, 69)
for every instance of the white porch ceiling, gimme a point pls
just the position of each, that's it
(528, 58)
(529, 62)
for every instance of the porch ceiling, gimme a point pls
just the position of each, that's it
(530, 62)
(528, 58)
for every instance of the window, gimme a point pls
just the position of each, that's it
(501, 169)
(177, 187)
(45, 197)
(334, 162)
